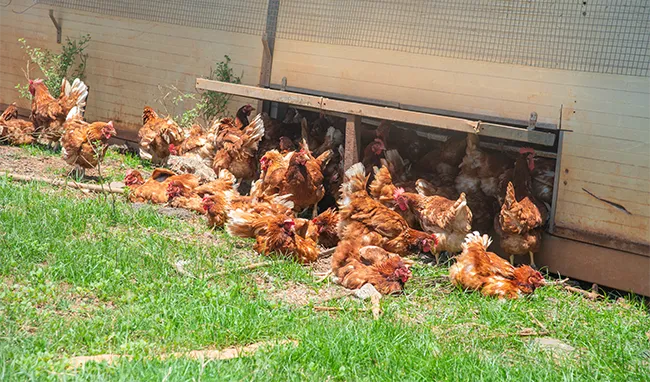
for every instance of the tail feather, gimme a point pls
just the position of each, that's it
(424, 188)
(510, 198)
(324, 158)
(396, 163)
(256, 188)
(254, 132)
(304, 130)
(78, 91)
(472, 157)
(227, 176)
(148, 114)
(240, 223)
(462, 214)
(73, 114)
(355, 180)
(283, 200)
(474, 240)
(382, 184)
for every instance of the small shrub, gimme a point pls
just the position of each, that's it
(208, 105)
(70, 63)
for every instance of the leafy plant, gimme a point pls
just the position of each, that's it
(208, 105)
(70, 63)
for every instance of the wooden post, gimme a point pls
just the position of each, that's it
(352, 140)
(268, 44)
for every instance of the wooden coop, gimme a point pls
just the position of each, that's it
(570, 78)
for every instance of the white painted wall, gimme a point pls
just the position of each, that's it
(128, 58)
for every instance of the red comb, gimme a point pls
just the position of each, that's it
(526, 150)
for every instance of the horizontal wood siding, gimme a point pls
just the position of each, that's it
(608, 152)
(128, 59)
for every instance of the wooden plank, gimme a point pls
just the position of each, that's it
(607, 267)
(384, 113)
(352, 140)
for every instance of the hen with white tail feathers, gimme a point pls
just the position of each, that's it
(49, 113)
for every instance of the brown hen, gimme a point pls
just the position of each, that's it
(480, 270)
(371, 223)
(83, 144)
(355, 265)
(49, 113)
(15, 131)
(156, 135)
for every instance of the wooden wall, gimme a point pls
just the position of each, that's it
(608, 152)
(128, 58)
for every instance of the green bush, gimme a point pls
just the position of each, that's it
(70, 63)
(208, 105)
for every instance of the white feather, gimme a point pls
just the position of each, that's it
(475, 237)
(73, 113)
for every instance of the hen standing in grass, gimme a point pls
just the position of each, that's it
(84, 144)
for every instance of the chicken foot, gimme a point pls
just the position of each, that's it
(532, 260)
(77, 173)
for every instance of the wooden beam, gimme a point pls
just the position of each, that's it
(352, 140)
(378, 112)
(268, 45)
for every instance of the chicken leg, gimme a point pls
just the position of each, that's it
(77, 173)
(512, 259)
(532, 260)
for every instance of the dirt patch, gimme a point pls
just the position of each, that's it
(322, 265)
(298, 294)
(18, 160)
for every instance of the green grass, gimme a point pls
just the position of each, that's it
(86, 276)
(41, 151)
(129, 160)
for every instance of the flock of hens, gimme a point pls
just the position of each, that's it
(406, 197)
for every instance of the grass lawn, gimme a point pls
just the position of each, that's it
(83, 275)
